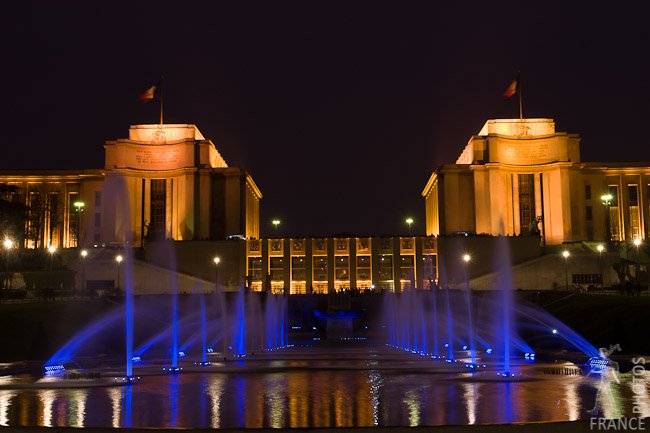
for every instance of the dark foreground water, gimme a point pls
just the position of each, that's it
(348, 388)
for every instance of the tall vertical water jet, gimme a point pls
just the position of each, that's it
(450, 325)
(504, 321)
(204, 346)
(174, 327)
(434, 298)
(240, 323)
(117, 198)
(470, 325)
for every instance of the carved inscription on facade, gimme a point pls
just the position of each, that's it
(528, 153)
(161, 158)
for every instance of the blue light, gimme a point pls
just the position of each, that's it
(210, 350)
(181, 354)
(465, 347)
(136, 359)
(52, 369)
(446, 344)
(597, 364)
(554, 331)
(488, 351)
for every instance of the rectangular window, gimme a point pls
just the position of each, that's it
(526, 202)
(98, 220)
(386, 268)
(429, 271)
(276, 268)
(407, 272)
(98, 198)
(255, 269)
(363, 269)
(635, 218)
(341, 273)
(320, 268)
(298, 266)
(74, 220)
(614, 214)
(589, 213)
(587, 192)
(157, 209)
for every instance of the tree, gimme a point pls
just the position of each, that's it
(13, 214)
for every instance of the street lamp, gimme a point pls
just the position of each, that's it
(637, 243)
(216, 261)
(51, 249)
(468, 297)
(467, 258)
(79, 206)
(600, 249)
(409, 221)
(607, 201)
(84, 254)
(8, 244)
(118, 260)
(276, 223)
(566, 255)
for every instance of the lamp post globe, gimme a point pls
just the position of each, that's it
(118, 259)
(600, 249)
(7, 244)
(409, 222)
(216, 261)
(84, 254)
(566, 254)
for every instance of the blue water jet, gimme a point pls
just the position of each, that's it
(204, 346)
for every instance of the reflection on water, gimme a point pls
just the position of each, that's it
(48, 397)
(572, 400)
(215, 390)
(471, 397)
(299, 398)
(5, 402)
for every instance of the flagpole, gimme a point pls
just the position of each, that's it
(521, 91)
(161, 105)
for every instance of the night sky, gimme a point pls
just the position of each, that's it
(340, 111)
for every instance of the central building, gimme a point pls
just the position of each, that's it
(521, 176)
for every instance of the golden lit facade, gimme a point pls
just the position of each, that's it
(329, 265)
(519, 176)
(162, 182)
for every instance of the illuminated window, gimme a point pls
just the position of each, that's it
(320, 268)
(407, 272)
(74, 219)
(276, 268)
(255, 269)
(635, 221)
(429, 271)
(364, 272)
(298, 265)
(386, 272)
(614, 214)
(157, 209)
(587, 192)
(298, 288)
(319, 287)
(342, 268)
(526, 202)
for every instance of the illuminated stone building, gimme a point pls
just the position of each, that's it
(518, 176)
(328, 265)
(162, 182)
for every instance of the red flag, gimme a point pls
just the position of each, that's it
(148, 94)
(512, 88)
